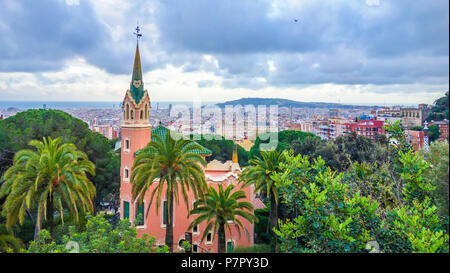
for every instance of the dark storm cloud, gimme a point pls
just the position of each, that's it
(344, 42)
(334, 41)
(40, 35)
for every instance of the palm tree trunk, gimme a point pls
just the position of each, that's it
(51, 216)
(36, 226)
(169, 225)
(273, 218)
(221, 239)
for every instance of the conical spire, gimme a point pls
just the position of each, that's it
(137, 69)
(137, 84)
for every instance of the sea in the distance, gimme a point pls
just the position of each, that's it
(25, 105)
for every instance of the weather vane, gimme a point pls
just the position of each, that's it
(137, 33)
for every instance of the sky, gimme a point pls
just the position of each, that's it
(348, 51)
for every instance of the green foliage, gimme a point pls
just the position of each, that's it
(395, 130)
(433, 132)
(253, 249)
(285, 140)
(374, 180)
(421, 225)
(260, 174)
(52, 177)
(336, 212)
(222, 149)
(440, 109)
(417, 128)
(262, 234)
(438, 174)
(342, 151)
(8, 242)
(186, 246)
(332, 218)
(99, 237)
(415, 184)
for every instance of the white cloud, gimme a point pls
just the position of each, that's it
(373, 2)
(73, 2)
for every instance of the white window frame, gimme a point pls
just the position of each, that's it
(125, 178)
(125, 150)
(212, 240)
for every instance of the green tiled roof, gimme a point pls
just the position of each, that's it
(161, 131)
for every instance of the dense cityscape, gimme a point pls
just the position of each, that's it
(323, 122)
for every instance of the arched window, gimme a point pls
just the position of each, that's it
(132, 114)
(146, 112)
(127, 111)
(141, 115)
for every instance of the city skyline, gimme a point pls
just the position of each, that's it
(367, 52)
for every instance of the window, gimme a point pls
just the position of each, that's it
(230, 247)
(195, 229)
(127, 112)
(140, 214)
(126, 174)
(165, 212)
(132, 115)
(146, 112)
(141, 115)
(126, 210)
(195, 248)
(127, 144)
(209, 238)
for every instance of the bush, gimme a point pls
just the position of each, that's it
(253, 249)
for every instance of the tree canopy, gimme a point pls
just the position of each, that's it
(17, 131)
(440, 109)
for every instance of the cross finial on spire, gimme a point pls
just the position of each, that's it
(137, 33)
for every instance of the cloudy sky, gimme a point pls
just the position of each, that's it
(349, 51)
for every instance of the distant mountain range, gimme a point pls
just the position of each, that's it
(289, 103)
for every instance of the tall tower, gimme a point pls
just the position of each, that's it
(136, 130)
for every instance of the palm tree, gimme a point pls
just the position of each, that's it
(259, 174)
(218, 208)
(46, 179)
(173, 163)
